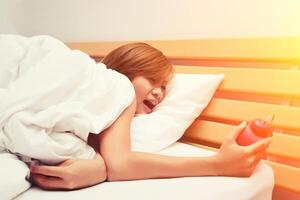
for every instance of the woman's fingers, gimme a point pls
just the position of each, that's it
(47, 170)
(46, 182)
(66, 163)
(260, 146)
(236, 132)
(256, 159)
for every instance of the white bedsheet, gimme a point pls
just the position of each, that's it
(257, 187)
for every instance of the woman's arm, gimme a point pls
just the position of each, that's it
(123, 164)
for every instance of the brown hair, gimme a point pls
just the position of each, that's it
(139, 59)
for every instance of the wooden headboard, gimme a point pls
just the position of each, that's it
(262, 78)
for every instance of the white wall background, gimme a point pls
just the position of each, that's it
(90, 20)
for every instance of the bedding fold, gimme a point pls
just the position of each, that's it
(53, 97)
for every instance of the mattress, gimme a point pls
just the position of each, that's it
(257, 187)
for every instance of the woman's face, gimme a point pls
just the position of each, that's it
(148, 93)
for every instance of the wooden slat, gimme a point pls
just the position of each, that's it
(256, 49)
(285, 117)
(260, 81)
(96, 49)
(235, 63)
(282, 145)
(286, 176)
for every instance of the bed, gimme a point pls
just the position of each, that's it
(262, 78)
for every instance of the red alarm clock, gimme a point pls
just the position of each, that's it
(255, 130)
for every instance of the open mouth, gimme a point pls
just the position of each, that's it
(149, 104)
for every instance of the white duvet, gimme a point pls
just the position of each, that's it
(53, 97)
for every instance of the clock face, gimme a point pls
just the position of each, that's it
(261, 128)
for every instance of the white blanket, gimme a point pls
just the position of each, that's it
(52, 97)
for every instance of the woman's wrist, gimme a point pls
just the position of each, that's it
(100, 165)
(216, 165)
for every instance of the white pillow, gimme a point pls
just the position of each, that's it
(187, 95)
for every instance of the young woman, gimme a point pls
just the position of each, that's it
(149, 71)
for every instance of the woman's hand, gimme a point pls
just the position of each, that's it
(235, 160)
(70, 174)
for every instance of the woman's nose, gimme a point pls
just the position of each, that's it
(157, 93)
